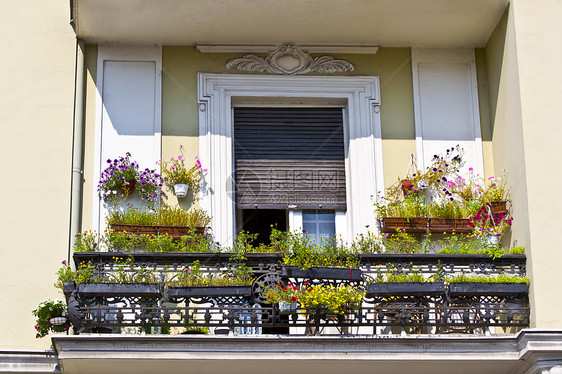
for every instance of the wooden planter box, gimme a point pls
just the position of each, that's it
(209, 291)
(175, 232)
(499, 207)
(118, 289)
(322, 273)
(392, 224)
(488, 289)
(440, 225)
(405, 289)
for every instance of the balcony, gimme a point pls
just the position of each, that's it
(435, 307)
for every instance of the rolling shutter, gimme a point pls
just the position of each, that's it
(289, 158)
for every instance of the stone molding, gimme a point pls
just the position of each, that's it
(290, 60)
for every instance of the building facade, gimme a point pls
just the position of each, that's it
(90, 80)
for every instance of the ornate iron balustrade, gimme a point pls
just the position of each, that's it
(413, 310)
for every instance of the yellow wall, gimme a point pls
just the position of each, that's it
(537, 148)
(36, 115)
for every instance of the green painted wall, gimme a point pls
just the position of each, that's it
(180, 66)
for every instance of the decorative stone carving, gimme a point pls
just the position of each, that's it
(289, 60)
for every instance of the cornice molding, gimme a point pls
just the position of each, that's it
(265, 48)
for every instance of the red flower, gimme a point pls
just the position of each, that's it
(269, 297)
(278, 283)
(293, 298)
(284, 288)
(289, 284)
(306, 282)
(294, 288)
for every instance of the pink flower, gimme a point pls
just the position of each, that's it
(470, 169)
(179, 157)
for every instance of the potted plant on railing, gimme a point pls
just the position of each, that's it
(488, 285)
(284, 295)
(173, 221)
(323, 301)
(192, 282)
(181, 178)
(126, 279)
(118, 179)
(396, 283)
(51, 316)
(326, 259)
(488, 226)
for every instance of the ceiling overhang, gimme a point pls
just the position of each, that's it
(354, 23)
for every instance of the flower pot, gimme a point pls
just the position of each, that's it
(129, 187)
(180, 190)
(119, 289)
(499, 207)
(492, 241)
(440, 225)
(487, 289)
(406, 185)
(405, 289)
(287, 308)
(393, 224)
(322, 273)
(58, 328)
(57, 321)
(175, 232)
(209, 291)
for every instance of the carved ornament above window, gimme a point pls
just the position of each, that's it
(289, 60)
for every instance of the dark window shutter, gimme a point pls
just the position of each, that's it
(287, 157)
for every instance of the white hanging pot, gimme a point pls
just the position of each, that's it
(180, 189)
(57, 321)
(492, 240)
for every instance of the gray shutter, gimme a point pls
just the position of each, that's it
(289, 157)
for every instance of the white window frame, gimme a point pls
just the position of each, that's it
(362, 131)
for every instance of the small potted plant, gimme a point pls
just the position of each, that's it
(51, 316)
(507, 285)
(193, 282)
(488, 225)
(335, 300)
(181, 178)
(149, 185)
(285, 296)
(118, 179)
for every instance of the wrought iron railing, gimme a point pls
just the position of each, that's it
(437, 309)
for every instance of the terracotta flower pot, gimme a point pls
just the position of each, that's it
(129, 187)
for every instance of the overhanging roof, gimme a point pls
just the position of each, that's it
(389, 23)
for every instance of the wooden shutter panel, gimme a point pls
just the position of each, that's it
(289, 157)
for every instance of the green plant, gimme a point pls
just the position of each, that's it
(235, 275)
(161, 243)
(64, 274)
(86, 241)
(337, 299)
(45, 311)
(328, 252)
(487, 278)
(401, 242)
(121, 241)
(517, 251)
(85, 273)
(367, 243)
(459, 243)
(175, 172)
(126, 271)
(164, 216)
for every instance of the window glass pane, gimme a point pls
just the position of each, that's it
(319, 224)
